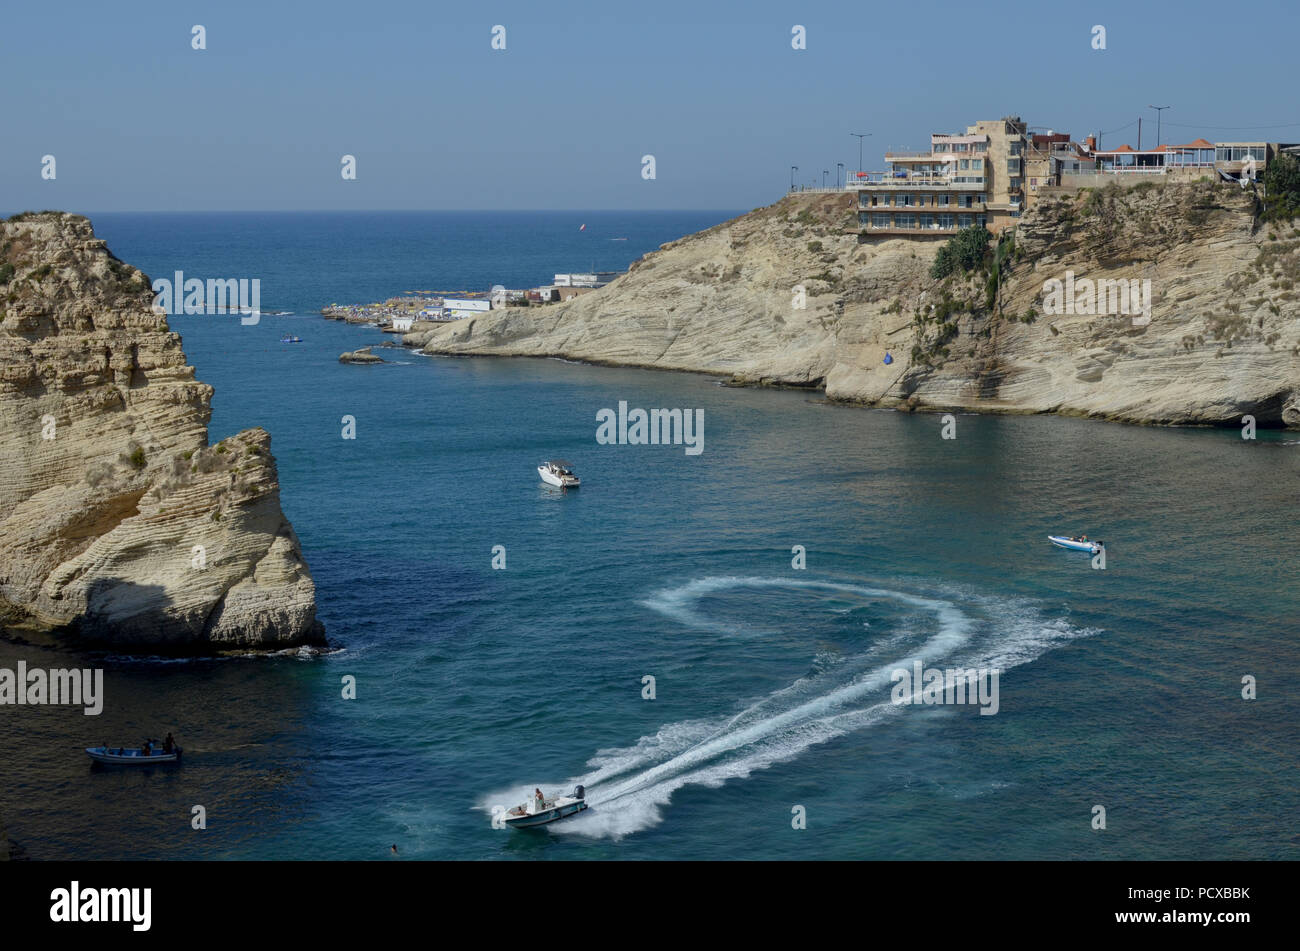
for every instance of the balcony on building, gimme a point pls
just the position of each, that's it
(929, 224)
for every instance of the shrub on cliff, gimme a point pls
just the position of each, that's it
(1282, 188)
(965, 251)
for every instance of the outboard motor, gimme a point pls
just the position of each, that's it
(579, 792)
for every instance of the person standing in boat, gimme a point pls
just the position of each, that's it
(541, 800)
(169, 744)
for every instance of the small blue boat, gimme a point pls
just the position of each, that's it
(1082, 543)
(290, 338)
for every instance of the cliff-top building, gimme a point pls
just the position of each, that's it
(973, 178)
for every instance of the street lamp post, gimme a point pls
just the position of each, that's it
(793, 169)
(839, 173)
(860, 137)
(1158, 109)
(825, 172)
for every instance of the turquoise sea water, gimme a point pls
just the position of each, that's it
(1120, 687)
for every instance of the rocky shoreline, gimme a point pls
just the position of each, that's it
(790, 295)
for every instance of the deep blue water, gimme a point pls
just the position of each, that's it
(1119, 687)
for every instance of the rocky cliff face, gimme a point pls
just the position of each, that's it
(118, 523)
(1223, 338)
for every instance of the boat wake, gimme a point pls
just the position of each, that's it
(628, 787)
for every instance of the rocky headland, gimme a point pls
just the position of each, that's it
(791, 295)
(119, 525)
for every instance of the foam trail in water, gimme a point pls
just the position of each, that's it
(627, 787)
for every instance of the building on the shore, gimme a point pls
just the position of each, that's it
(967, 179)
(1051, 155)
(454, 308)
(1191, 160)
(1233, 158)
(588, 279)
(403, 324)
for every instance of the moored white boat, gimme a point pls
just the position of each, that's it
(1083, 543)
(133, 756)
(557, 472)
(539, 810)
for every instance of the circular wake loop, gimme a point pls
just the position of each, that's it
(628, 787)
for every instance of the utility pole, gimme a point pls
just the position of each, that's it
(1158, 109)
(839, 173)
(1139, 134)
(860, 137)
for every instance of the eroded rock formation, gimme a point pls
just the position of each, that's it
(118, 523)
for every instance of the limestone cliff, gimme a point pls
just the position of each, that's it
(1222, 340)
(119, 525)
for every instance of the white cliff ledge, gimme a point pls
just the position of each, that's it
(119, 525)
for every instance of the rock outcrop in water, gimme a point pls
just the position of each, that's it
(361, 356)
(1223, 339)
(119, 524)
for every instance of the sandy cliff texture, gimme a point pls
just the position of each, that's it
(118, 523)
(1223, 339)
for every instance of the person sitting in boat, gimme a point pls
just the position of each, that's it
(148, 748)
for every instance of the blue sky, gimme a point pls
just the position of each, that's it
(137, 120)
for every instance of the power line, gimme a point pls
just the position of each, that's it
(1242, 128)
(1120, 129)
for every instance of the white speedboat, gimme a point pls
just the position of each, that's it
(539, 810)
(558, 473)
(1082, 543)
(133, 756)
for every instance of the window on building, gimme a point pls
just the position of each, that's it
(982, 220)
(880, 221)
(926, 220)
(977, 163)
(904, 221)
(981, 147)
(943, 199)
(1016, 147)
(945, 221)
(965, 164)
(963, 221)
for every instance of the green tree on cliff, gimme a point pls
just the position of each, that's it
(965, 251)
(1282, 188)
